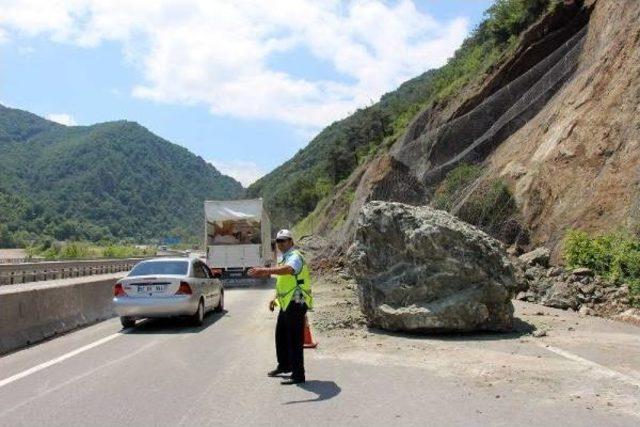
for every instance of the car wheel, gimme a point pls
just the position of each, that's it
(198, 318)
(220, 305)
(128, 322)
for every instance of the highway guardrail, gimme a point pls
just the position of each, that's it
(11, 274)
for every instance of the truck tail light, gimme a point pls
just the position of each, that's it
(184, 289)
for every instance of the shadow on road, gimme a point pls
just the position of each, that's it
(324, 390)
(520, 328)
(247, 283)
(175, 325)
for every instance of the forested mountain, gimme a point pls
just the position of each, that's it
(294, 189)
(112, 180)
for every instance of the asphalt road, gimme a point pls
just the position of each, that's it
(168, 373)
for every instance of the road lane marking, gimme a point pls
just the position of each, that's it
(596, 366)
(57, 360)
(77, 378)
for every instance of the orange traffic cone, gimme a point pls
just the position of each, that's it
(308, 339)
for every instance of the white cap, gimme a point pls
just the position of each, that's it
(284, 234)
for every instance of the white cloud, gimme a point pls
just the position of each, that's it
(245, 172)
(216, 52)
(62, 118)
(26, 50)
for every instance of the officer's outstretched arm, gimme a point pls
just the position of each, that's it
(268, 271)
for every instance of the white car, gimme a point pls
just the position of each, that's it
(167, 287)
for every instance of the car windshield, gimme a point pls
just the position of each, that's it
(160, 267)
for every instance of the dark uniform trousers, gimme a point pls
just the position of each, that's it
(290, 339)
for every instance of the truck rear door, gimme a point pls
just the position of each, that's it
(234, 256)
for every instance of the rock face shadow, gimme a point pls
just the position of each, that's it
(324, 390)
(520, 328)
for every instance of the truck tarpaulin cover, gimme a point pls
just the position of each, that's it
(233, 210)
(234, 222)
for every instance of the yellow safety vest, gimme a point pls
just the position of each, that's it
(286, 284)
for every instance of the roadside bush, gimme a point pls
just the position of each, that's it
(614, 256)
(455, 185)
(121, 251)
(76, 251)
(489, 206)
(83, 250)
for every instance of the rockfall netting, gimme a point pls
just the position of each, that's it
(440, 166)
(471, 137)
(435, 164)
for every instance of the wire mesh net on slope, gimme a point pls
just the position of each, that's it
(471, 137)
(428, 158)
(471, 194)
(523, 110)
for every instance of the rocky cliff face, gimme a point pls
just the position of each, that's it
(556, 122)
(576, 164)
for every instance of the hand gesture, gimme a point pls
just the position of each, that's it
(255, 272)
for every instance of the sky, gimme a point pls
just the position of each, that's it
(244, 84)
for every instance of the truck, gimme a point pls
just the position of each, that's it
(237, 236)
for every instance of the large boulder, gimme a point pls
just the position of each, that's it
(423, 270)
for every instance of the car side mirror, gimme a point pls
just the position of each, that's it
(216, 273)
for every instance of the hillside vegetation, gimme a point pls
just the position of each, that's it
(294, 189)
(106, 182)
(84, 250)
(614, 256)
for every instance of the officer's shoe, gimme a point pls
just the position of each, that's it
(278, 371)
(292, 381)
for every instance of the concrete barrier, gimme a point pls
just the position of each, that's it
(32, 312)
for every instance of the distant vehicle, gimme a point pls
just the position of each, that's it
(167, 287)
(237, 236)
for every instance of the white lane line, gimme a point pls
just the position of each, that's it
(57, 360)
(77, 378)
(596, 366)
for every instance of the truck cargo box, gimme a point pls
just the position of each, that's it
(237, 235)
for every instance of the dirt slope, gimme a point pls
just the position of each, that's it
(577, 163)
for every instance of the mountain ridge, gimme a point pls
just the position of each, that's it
(111, 180)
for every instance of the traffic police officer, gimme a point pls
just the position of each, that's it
(293, 295)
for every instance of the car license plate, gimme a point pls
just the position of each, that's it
(151, 289)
